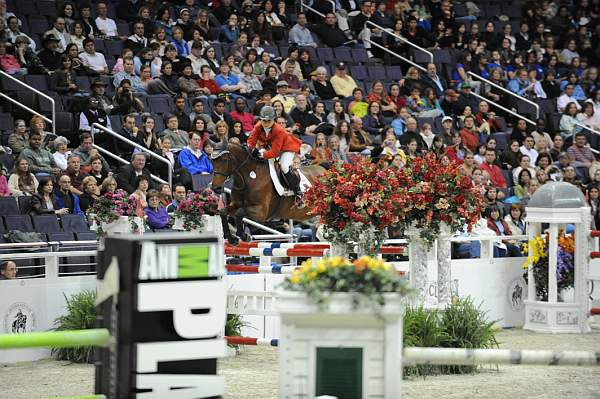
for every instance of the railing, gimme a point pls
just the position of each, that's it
(319, 13)
(533, 104)
(510, 111)
(142, 149)
(36, 91)
(396, 55)
(591, 130)
(332, 5)
(391, 33)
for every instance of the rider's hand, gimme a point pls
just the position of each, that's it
(255, 153)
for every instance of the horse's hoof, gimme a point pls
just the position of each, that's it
(233, 240)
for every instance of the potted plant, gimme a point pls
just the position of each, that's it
(115, 213)
(197, 212)
(539, 261)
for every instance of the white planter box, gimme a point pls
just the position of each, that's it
(123, 226)
(212, 224)
(305, 328)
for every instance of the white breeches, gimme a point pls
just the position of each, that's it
(286, 159)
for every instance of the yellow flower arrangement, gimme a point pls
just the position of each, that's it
(368, 276)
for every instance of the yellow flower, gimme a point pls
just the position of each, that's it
(321, 266)
(337, 261)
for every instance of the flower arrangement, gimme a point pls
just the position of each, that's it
(111, 206)
(191, 209)
(436, 193)
(356, 199)
(361, 199)
(539, 261)
(368, 278)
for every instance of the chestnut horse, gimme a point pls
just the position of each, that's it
(253, 194)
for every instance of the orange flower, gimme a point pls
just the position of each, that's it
(360, 265)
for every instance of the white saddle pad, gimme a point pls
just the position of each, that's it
(280, 188)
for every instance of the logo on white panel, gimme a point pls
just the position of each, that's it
(517, 290)
(19, 318)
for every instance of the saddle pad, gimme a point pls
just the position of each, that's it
(279, 187)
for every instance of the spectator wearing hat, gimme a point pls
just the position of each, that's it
(299, 35)
(342, 83)
(62, 153)
(196, 59)
(466, 98)
(288, 101)
(93, 113)
(93, 59)
(50, 56)
(98, 89)
(447, 131)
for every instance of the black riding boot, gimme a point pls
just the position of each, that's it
(293, 181)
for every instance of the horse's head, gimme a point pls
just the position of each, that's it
(227, 160)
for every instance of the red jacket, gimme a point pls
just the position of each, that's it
(492, 226)
(496, 176)
(470, 139)
(246, 118)
(279, 140)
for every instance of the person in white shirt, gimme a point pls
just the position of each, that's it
(567, 97)
(527, 149)
(107, 26)
(92, 59)
(60, 31)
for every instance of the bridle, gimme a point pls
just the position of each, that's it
(236, 171)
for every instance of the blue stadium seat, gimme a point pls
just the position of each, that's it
(18, 222)
(39, 82)
(343, 54)
(38, 24)
(74, 223)
(24, 204)
(360, 55)
(47, 8)
(46, 224)
(86, 236)
(8, 206)
(377, 72)
(358, 72)
(393, 72)
(325, 54)
(61, 236)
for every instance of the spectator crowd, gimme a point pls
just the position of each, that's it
(178, 78)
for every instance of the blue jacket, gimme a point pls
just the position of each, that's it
(193, 164)
(157, 219)
(75, 209)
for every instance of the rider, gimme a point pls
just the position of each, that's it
(271, 140)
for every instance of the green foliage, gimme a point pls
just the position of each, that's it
(81, 315)
(460, 325)
(234, 325)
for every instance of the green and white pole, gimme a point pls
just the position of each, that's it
(56, 339)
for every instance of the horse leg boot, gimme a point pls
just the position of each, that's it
(231, 238)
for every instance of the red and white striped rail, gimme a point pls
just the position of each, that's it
(252, 341)
(294, 249)
(273, 269)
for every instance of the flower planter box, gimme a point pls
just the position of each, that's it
(308, 335)
(123, 226)
(212, 224)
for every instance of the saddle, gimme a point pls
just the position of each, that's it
(280, 182)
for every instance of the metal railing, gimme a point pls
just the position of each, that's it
(533, 104)
(36, 91)
(332, 5)
(125, 162)
(319, 13)
(139, 147)
(391, 33)
(396, 55)
(487, 100)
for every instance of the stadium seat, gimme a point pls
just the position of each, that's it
(26, 7)
(377, 72)
(159, 104)
(273, 50)
(61, 237)
(325, 54)
(6, 122)
(65, 125)
(18, 222)
(8, 206)
(74, 223)
(86, 236)
(343, 54)
(38, 24)
(46, 223)
(113, 48)
(393, 72)
(360, 55)
(358, 72)
(83, 82)
(24, 204)
(39, 82)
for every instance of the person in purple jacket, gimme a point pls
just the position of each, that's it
(156, 214)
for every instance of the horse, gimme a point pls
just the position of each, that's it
(253, 194)
(20, 323)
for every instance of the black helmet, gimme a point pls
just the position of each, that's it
(267, 113)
